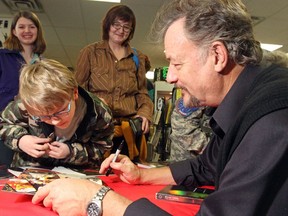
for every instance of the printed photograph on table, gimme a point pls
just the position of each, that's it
(18, 185)
(38, 177)
(30, 180)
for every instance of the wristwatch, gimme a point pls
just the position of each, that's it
(94, 208)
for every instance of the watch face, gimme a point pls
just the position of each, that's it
(93, 210)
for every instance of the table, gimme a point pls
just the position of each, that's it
(13, 204)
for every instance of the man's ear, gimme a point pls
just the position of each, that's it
(220, 54)
(75, 93)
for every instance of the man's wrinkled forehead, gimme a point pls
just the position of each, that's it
(175, 38)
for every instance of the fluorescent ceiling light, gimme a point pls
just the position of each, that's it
(111, 1)
(270, 47)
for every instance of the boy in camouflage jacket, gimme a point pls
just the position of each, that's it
(55, 122)
(190, 131)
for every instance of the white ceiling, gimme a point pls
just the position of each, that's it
(69, 25)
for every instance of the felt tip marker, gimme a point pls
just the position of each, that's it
(115, 157)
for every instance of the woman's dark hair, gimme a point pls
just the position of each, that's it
(13, 43)
(123, 13)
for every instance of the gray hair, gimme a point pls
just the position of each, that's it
(207, 21)
(275, 57)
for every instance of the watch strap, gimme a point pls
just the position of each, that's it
(94, 208)
(101, 193)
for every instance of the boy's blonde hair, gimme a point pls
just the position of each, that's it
(46, 85)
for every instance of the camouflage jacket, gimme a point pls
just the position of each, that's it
(190, 134)
(87, 146)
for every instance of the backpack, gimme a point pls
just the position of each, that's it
(135, 58)
(136, 61)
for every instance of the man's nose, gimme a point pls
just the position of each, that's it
(171, 75)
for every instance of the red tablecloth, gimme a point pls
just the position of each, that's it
(12, 204)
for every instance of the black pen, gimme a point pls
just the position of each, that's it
(115, 157)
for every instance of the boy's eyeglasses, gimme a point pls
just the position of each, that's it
(126, 28)
(56, 115)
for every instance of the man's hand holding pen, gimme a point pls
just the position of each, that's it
(115, 157)
(122, 167)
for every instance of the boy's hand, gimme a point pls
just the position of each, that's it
(58, 150)
(33, 145)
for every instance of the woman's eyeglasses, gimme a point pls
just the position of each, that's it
(57, 115)
(125, 28)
